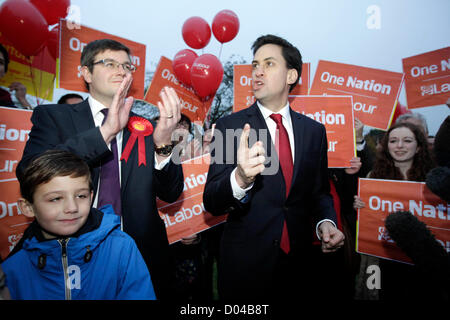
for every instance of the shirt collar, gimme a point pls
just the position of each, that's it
(267, 113)
(95, 105)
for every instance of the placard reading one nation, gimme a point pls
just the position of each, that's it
(427, 78)
(375, 92)
(382, 197)
(191, 105)
(73, 41)
(336, 114)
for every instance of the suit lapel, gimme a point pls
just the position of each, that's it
(298, 128)
(83, 120)
(257, 122)
(125, 167)
(82, 116)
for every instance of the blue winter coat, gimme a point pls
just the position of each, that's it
(101, 264)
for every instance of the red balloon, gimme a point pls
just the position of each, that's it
(53, 42)
(24, 26)
(225, 26)
(182, 64)
(206, 75)
(52, 10)
(196, 32)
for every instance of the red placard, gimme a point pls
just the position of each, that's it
(336, 114)
(187, 215)
(191, 105)
(427, 78)
(73, 40)
(15, 126)
(382, 197)
(375, 92)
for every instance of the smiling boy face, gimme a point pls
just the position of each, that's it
(60, 206)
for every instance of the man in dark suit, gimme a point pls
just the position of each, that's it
(95, 128)
(271, 205)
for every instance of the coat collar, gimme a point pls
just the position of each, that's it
(82, 116)
(256, 121)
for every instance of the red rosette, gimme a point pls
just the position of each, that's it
(139, 128)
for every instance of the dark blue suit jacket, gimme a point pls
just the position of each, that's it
(252, 233)
(72, 128)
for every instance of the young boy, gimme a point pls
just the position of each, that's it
(70, 250)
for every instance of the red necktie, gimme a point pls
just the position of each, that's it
(109, 190)
(285, 156)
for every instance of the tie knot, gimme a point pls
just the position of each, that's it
(105, 113)
(277, 118)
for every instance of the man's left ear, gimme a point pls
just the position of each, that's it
(292, 76)
(87, 76)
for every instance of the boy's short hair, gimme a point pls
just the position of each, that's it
(290, 53)
(98, 46)
(50, 164)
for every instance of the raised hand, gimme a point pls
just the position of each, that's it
(169, 115)
(355, 165)
(359, 128)
(21, 93)
(119, 111)
(358, 203)
(250, 161)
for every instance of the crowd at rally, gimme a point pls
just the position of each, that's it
(97, 214)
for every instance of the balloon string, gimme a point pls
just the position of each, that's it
(208, 122)
(220, 52)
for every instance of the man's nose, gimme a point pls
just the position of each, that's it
(258, 70)
(121, 69)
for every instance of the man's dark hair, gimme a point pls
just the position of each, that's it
(290, 53)
(64, 98)
(5, 55)
(51, 164)
(98, 46)
(184, 118)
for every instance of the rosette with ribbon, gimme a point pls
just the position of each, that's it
(139, 128)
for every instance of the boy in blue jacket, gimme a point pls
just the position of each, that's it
(71, 250)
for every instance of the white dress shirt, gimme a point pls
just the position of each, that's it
(240, 193)
(96, 108)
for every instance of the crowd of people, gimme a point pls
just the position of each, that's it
(290, 231)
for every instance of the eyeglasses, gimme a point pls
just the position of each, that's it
(114, 65)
